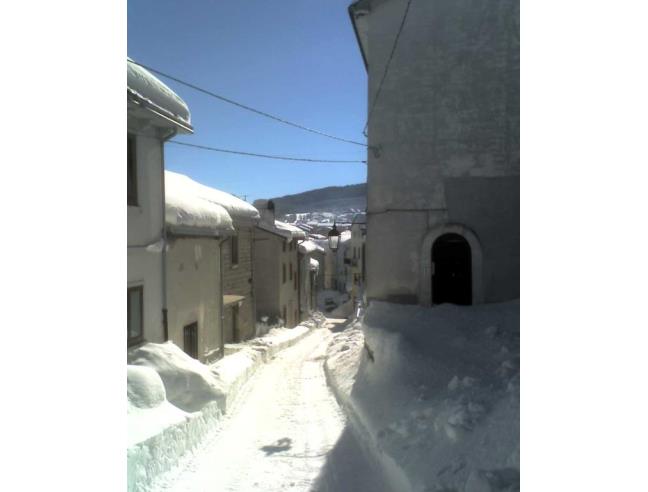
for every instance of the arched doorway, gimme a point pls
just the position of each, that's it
(452, 274)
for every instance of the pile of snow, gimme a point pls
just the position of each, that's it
(147, 87)
(189, 384)
(313, 265)
(436, 393)
(159, 433)
(185, 208)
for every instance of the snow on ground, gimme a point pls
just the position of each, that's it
(174, 401)
(435, 392)
(284, 433)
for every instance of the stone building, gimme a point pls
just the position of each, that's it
(154, 115)
(444, 161)
(239, 318)
(276, 272)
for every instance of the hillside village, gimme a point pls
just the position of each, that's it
(403, 315)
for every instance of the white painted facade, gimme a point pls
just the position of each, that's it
(444, 143)
(149, 125)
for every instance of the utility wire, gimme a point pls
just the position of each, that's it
(266, 156)
(243, 106)
(391, 55)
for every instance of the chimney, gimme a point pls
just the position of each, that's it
(266, 209)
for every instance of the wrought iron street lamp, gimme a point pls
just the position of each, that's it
(334, 238)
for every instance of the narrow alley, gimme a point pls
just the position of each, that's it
(285, 432)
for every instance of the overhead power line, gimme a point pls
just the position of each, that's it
(243, 106)
(266, 156)
(391, 55)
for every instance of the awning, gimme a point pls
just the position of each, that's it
(229, 299)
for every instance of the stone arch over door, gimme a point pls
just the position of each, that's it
(425, 280)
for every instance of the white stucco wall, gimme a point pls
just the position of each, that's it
(145, 225)
(194, 293)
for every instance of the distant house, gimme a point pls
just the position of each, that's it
(276, 271)
(154, 114)
(309, 266)
(443, 194)
(196, 229)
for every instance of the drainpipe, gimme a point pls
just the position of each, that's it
(165, 320)
(220, 297)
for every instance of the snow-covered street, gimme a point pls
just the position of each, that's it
(284, 432)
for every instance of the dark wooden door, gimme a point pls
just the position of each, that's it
(191, 340)
(452, 276)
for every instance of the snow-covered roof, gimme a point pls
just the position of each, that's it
(146, 89)
(288, 231)
(313, 264)
(186, 211)
(309, 246)
(236, 208)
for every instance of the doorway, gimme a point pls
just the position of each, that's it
(452, 273)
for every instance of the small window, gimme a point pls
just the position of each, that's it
(235, 250)
(135, 315)
(190, 333)
(290, 270)
(132, 171)
(283, 273)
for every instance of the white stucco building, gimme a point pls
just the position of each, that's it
(196, 228)
(309, 267)
(154, 115)
(444, 161)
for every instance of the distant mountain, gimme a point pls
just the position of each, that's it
(333, 199)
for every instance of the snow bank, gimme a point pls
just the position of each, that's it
(436, 393)
(158, 432)
(150, 89)
(189, 384)
(184, 207)
(313, 265)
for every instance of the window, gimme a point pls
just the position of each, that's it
(190, 333)
(291, 273)
(283, 273)
(235, 250)
(283, 246)
(132, 171)
(135, 315)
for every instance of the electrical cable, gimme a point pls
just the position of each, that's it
(243, 106)
(266, 156)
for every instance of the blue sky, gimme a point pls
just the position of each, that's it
(297, 59)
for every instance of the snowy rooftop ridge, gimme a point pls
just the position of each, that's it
(237, 209)
(161, 99)
(186, 210)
